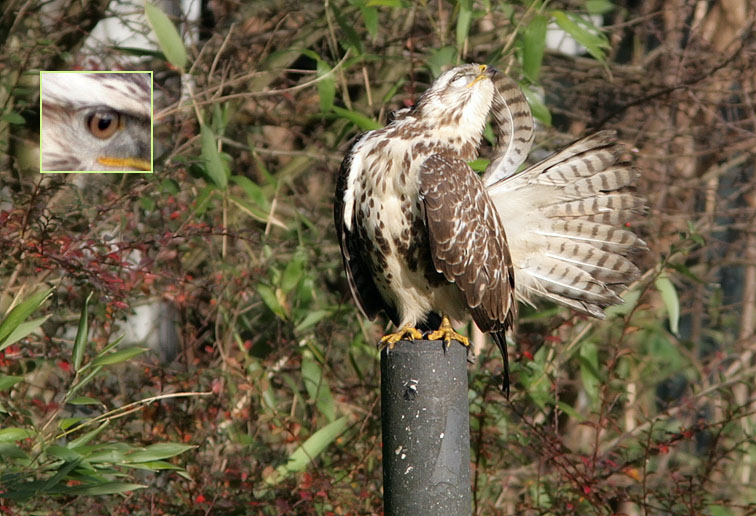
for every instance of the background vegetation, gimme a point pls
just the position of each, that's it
(260, 392)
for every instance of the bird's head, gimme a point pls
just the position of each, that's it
(459, 100)
(95, 121)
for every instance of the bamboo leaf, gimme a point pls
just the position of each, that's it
(22, 330)
(309, 450)
(671, 302)
(589, 369)
(122, 355)
(14, 434)
(157, 452)
(8, 381)
(84, 400)
(81, 335)
(358, 119)
(271, 300)
(584, 33)
(317, 386)
(168, 37)
(213, 164)
(105, 489)
(326, 87)
(534, 45)
(464, 20)
(19, 314)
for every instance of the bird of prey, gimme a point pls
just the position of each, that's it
(95, 121)
(427, 241)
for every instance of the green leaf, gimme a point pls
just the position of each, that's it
(122, 355)
(480, 164)
(8, 381)
(370, 17)
(719, 510)
(84, 439)
(85, 400)
(599, 6)
(358, 119)
(464, 20)
(326, 87)
(213, 169)
(11, 451)
(81, 335)
(388, 3)
(441, 59)
(533, 47)
(155, 465)
(589, 369)
(13, 118)
(311, 319)
(159, 451)
(168, 37)
(317, 386)
(538, 108)
(62, 453)
(349, 38)
(19, 314)
(147, 203)
(271, 300)
(293, 272)
(567, 409)
(85, 380)
(24, 329)
(669, 296)
(250, 209)
(254, 192)
(14, 434)
(68, 422)
(309, 450)
(104, 489)
(584, 32)
(630, 298)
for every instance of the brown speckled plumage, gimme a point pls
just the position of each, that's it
(423, 236)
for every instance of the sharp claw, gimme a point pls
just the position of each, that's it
(447, 333)
(406, 333)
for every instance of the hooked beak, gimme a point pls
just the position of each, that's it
(481, 75)
(128, 163)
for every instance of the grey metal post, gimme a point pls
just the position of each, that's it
(426, 430)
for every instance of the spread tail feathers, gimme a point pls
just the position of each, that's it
(563, 218)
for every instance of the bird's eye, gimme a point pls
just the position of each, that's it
(103, 124)
(459, 81)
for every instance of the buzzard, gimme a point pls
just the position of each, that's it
(95, 121)
(427, 241)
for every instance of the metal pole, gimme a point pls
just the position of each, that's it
(426, 430)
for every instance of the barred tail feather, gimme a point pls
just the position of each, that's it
(563, 218)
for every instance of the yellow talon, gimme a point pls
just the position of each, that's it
(447, 333)
(406, 333)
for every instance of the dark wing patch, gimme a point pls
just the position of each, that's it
(354, 253)
(467, 240)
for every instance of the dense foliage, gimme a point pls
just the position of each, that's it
(260, 395)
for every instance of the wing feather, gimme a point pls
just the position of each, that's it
(354, 250)
(467, 241)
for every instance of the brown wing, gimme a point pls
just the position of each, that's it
(467, 240)
(354, 252)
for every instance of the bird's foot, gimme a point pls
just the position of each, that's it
(447, 333)
(406, 333)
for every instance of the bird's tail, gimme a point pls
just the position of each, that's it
(564, 219)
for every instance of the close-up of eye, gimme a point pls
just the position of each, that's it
(103, 124)
(458, 81)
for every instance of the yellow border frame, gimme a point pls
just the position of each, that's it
(152, 123)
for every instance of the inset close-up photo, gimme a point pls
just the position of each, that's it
(96, 122)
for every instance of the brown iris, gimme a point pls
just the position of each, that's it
(103, 124)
